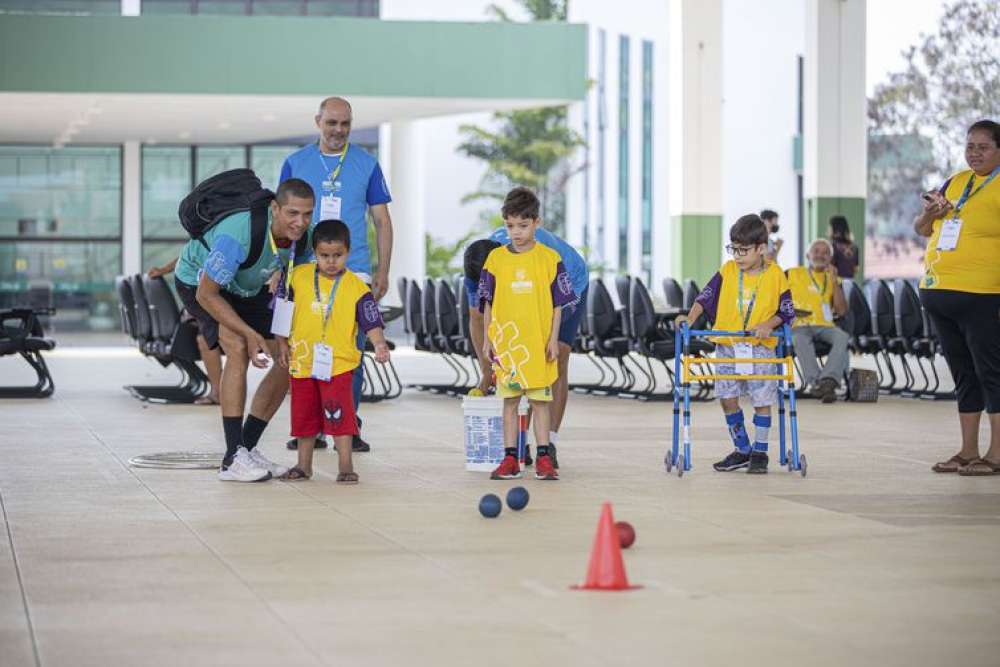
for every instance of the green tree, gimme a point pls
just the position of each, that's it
(918, 118)
(441, 258)
(531, 147)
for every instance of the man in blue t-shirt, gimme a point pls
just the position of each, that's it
(232, 304)
(572, 313)
(348, 184)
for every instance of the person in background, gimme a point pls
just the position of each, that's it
(774, 243)
(845, 252)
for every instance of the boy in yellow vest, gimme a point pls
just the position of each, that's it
(747, 294)
(321, 353)
(522, 289)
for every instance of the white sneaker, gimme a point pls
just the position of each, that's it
(243, 469)
(261, 461)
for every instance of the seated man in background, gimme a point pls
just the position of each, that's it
(817, 289)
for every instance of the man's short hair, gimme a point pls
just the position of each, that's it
(768, 214)
(749, 230)
(330, 100)
(820, 241)
(989, 126)
(293, 187)
(520, 202)
(475, 257)
(331, 231)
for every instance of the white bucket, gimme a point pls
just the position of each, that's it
(484, 431)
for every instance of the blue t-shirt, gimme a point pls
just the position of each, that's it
(359, 185)
(576, 265)
(228, 245)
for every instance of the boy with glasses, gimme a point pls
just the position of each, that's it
(748, 293)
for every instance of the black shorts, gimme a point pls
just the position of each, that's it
(255, 311)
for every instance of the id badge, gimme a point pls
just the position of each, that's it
(281, 322)
(950, 231)
(743, 351)
(329, 207)
(827, 313)
(322, 361)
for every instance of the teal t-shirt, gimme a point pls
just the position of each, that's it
(228, 245)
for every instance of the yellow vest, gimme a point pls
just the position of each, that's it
(768, 286)
(810, 290)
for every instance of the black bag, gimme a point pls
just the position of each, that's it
(862, 386)
(219, 196)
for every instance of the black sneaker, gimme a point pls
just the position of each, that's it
(827, 390)
(359, 445)
(293, 444)
(758, 464)
(734, 461)
(552, 455)
(527, 455)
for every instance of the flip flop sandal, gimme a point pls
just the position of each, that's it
(954, 464)
(347, 478)
(980, 468)
(295, 474)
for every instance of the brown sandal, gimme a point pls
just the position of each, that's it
(347, 478)
(980, 468)
(295, 474)
(954, 464)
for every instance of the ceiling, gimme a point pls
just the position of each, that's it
(100, 118)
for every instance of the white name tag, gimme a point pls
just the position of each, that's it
(329, 208)
(950, 231)
(322, 361)
(743, 351)
(827, 312)
(281, 322)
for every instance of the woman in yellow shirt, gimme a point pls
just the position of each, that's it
(961, 291)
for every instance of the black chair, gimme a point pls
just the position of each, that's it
(451, 338)
(914, 338)
(401, 285)
(421, 313)
(672, 293)
(882, 317)
(653, 338)
(604, 324)
(151, 315)
(691, 292)
(21, 333)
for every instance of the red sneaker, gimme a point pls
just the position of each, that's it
(508, 469)
(544, 468)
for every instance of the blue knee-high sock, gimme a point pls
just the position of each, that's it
(738, 431)
(762, 424)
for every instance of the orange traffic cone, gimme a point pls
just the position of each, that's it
(606, 571)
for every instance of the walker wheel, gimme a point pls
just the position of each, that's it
(669, 461)
(680, 465)
(791, 463)
(802, 464)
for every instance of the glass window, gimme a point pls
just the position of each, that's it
(277, 7)
(231, 7)
(266, 162)
(166, 179)
(369, 8)
(343, 8)
(167, 7)
(212, 160)
(78, 7)
(647, 160)
(623, 157)
(602, 123)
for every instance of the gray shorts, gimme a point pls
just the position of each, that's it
(761, 392)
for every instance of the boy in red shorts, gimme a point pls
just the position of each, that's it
(321, 354)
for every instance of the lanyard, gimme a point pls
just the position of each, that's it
(826, 282)
(967, 194)
(336, 172)
(328, 311)
(753, 299)
(286, 272)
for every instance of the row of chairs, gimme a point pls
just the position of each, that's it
(21, 333)
(151, 317)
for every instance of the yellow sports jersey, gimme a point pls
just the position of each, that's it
(810, 290)
(763, 289)
(524, 289)
(341, 330)
(974, 264)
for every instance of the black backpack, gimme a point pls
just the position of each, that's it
(219, 196)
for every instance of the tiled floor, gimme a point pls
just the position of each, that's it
(870, 560)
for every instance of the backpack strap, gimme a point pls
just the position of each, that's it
(258, 234)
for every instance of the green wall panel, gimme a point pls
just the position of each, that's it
(697, 247)
(292, 56)
(818, 212)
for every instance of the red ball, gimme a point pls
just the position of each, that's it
(626, 534)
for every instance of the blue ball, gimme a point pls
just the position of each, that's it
(517, 498)
(490, 506)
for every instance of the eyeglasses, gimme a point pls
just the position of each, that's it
(739, 250)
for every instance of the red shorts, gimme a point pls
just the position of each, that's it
(323, 406)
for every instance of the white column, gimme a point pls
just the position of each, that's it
(131, 7)
(131, 207)
(402, 145)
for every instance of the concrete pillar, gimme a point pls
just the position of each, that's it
(131, 207)
(835, 151)
(131, 7)
(402, 150)
(696, 137)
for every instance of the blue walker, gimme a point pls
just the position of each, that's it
(684, 360)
